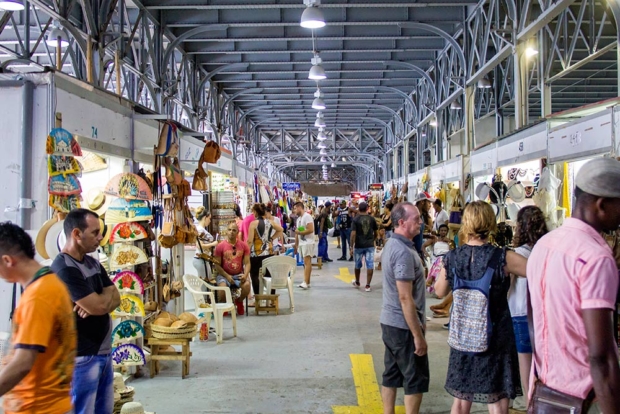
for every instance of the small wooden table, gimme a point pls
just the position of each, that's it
(157, 355)
(271, 303)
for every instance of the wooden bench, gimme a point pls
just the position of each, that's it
(266, 303)
(158, 355)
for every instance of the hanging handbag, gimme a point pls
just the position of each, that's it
(211, 152)
(199, 183)
(168, 145)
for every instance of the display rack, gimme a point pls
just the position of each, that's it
(222, 211)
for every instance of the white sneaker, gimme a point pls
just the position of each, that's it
(355, 284)
(304, 286)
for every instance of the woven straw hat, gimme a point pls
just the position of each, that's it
(134, 408)
(97, 201)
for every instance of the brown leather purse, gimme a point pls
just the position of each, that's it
(546, 400)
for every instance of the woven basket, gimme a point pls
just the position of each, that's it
(164, 332)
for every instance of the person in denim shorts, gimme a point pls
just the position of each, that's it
(530, 228)
(364, 233)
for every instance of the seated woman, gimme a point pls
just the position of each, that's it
(441, 245)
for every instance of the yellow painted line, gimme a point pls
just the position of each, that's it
(344, 275)
(366, 388)
(335, 242)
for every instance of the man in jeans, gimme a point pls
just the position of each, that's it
(95, 297)
(344, 224)
(36, 377)
(364, 231)
(573, 282)
(402, 314)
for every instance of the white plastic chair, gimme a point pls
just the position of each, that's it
(194, 284)
(282, 270)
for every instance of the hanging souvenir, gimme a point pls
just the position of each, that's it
(121, 211)
(127, 331)
(130, 306)
(128, 282)
(128, 354)
(127, 232)
(64, 204)
(61, 142)
(64, 185)
(126, 255)
(129, 186)
(63, 165)
(168, 140)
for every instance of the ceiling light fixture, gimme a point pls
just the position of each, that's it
(484, 83)
(321, 145)
(318, 102)
(320, 121)
(11, 5)
(344, 159)
(55, 34)
(321, 136)
(316, 71)
(455, 105)
(323, 159)
(312, 17)
(433, 122)
(323, 152)
(530, 52)
(333, 165)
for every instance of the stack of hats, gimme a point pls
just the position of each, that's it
(134, 408)
(122, 393)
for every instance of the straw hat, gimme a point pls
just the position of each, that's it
(105, 231)
(516, 191)
(134, 408)
(55, 239)
(120, 387)
(41, 235)
(96, 201)
(482, 191)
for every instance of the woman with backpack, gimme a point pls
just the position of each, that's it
(483, 365)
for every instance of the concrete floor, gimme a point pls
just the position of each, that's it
(293, 363)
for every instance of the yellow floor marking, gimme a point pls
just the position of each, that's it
(344, 275)
(366, 387)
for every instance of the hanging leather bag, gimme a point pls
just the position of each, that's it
(211, 153)
(168, 145)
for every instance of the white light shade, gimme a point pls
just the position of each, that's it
(333, 165)
(344, 159)
(484, 83)
(455, 105)
(321, 136)
(323, 152)
(312, 18)
(323, 159)
(318, 103)
(11, 5)
(321, 145)
(320, 121)
(433, 123)
(53, 35)
(317, 73)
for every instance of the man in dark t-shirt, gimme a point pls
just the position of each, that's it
(344, 223)
(94, 297)
(364, 231)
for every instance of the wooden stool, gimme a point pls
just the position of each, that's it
(182, 356)
(271, 303)
(319, 262)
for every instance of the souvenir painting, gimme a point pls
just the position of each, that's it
(61, 142)
(64, 204)
(127, 232)
(127, 331)
(130, 306)
(63, 165)
(126, 255)
(129, 282)
(121, 211)
(129, 186)
(128, 354)
(64, 185)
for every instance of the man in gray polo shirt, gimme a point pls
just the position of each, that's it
(403, 314)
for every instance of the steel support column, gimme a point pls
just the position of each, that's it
(521, 90)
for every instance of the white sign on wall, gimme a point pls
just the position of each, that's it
(526, 145)
(438, 173)
(584, 137)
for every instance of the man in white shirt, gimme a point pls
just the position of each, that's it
(441, 215)
(304, 240)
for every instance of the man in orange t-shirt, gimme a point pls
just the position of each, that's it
(36, 375)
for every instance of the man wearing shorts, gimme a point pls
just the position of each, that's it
(402, 314)
(304, 241)
(232, 264)
(364, 232)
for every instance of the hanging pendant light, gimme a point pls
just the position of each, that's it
(484, 83)
(316, 71)
(321, 146)
(320, 121)
(318, 102)
(323, 152)
(321, 136)
(11, 5)
(323, 159)
(455, 105)
(55, 34)
(333, 165)
(312, 17)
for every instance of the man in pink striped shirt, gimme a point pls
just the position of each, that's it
(573, 282)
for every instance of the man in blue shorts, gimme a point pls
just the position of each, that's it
(364, 231)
